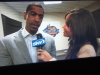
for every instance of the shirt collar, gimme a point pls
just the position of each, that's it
(25, 33)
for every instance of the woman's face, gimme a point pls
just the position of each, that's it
(67, 31)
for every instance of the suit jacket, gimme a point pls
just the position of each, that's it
(13, 49)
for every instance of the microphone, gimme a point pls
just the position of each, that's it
(39, 42)
(39, 35)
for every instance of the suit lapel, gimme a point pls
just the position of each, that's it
(20, 42)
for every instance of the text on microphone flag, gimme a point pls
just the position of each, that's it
(38, 42)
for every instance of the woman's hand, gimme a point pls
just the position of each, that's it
(44, 55)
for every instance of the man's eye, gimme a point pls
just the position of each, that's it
(34, 14)
(41, 16)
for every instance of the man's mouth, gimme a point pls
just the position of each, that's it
(34, 25)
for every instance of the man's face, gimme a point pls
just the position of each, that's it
(33, 19)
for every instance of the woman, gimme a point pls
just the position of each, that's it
(80, 28)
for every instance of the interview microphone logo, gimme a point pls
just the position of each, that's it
(38, 42)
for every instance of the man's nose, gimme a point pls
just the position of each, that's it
(37, 18)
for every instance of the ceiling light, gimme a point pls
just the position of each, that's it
(52, 2)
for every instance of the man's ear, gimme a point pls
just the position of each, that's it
(24, 15)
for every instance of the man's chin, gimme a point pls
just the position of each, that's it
(34, 31)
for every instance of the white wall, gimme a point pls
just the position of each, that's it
(9, 12)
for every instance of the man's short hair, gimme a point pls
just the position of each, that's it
(33, 4)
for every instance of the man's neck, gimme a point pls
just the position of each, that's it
(31, 32)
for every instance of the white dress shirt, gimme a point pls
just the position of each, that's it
(28, 39)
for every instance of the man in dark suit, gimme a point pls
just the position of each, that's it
(16, 48)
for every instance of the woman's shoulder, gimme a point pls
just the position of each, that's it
(87, 46)
(87, 50)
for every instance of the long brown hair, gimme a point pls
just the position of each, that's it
(83, 30)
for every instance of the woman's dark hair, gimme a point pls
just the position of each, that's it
(82, 25)
(29, 7)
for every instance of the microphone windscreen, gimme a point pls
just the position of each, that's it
(39, 35)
